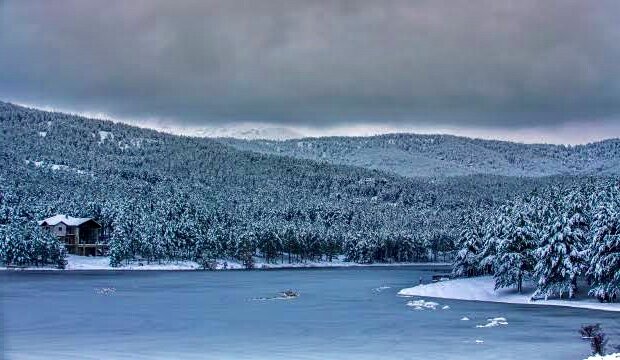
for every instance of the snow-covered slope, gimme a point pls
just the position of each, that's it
(446, 155)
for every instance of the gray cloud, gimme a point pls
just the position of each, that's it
(481, 63)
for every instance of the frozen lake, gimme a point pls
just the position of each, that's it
(341, 314)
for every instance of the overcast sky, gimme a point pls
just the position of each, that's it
(527, 70)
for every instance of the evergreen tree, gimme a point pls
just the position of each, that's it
(494, 231)
(560, 257)
(270, 245)
(470, 244)
(515, 253)
(604, 267)
(246, 248)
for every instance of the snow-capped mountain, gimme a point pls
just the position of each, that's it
(242, 131)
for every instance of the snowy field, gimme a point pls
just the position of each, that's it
(75, 262)
(482, 289)
(615, 356)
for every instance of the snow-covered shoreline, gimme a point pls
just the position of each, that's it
(482, 289)
(88, 263)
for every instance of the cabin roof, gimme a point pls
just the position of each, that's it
(67, 220)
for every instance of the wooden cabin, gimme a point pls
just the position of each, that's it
(80, 235)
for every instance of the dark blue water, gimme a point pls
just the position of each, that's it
(212, 315)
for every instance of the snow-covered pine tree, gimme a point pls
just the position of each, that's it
(331, 244)
(269, 244)
(604, 253)
(350, 246)
(365, 249)
(14, 247)
(246, 248)
(123, 235)
(47, 249)
(470, 244)
(210, 247)
(493, 231)
(560, 257)
(515, 258)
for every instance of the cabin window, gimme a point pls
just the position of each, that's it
(60, 228)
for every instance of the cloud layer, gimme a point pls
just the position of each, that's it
(509, 64)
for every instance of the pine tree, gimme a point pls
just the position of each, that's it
(494, 231)
(270, 245)
(470, 244)
(209, 248)
(246, 248)
(47, 249)
(560, 257)
(120, 239)
(515, 253)
(604, 267)
(15, 247)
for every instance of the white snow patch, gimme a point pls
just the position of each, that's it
(478, 341)
(445, 307)
(482, 289)
(56, 167)
(76, 262)
(104, 135)
(494, 322)
(59, 167)
(464, 318)
(43, 133)
(35, 163)
(381, 288)
(422, 304)
(615, 356)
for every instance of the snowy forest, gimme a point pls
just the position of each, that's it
(161, 197)
(559, 239)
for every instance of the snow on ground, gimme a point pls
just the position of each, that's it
(104, 135)
(56, 167)
(482, 289)
(75, 262)
(615, 356)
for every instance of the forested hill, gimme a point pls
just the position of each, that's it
(60, 157)
(172, 197)
(446, 155)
